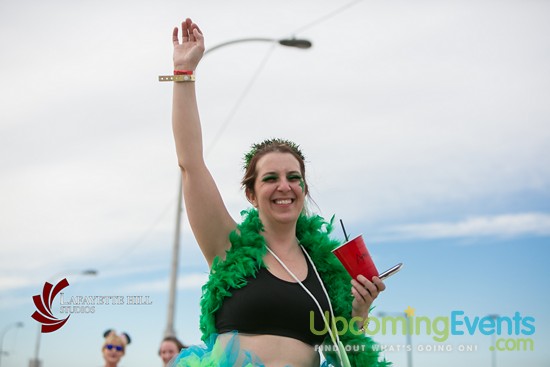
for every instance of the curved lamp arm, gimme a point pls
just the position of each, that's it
(288, 42)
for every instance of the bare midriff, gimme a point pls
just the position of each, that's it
(277, 351)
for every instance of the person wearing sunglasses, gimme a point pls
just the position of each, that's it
(114, 347)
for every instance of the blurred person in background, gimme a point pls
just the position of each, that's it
(170, 347)
(114, 347)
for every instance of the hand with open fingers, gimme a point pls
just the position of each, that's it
(188, 51)
(364, 293)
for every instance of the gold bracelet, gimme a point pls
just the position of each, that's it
(176, 78)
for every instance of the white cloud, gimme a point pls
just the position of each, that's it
(506, 225)
(13, 282)
(186, 281)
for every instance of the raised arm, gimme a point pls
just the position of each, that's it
(208, 216)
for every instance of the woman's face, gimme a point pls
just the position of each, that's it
(168, 349)
(279, 190)
(112, 356)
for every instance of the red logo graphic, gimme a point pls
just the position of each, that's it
(43, 305)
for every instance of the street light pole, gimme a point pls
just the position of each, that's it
(408, 336)
(409, 342)
(35, 362)
(174, 269)
(11, 326)
(494, 347)
(169, 331)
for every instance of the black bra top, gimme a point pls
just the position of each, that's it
(270, 305)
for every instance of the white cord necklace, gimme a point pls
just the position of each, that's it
(333, 335)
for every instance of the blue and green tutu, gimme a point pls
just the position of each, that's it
(218, 353)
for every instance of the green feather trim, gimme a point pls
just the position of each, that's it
(245, 258)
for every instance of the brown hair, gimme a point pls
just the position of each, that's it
(263, 148)
(174, 340)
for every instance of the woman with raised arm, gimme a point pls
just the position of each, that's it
(275, 289)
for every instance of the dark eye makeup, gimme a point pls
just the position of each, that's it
(269, 177)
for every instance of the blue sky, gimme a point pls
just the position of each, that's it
(425, 127)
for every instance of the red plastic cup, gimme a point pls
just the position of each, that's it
(356, 258)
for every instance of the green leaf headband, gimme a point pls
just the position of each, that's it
(255, 148)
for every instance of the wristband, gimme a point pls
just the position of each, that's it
(183, 72)
(176, 78)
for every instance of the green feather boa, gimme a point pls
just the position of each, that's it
(245, 258)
